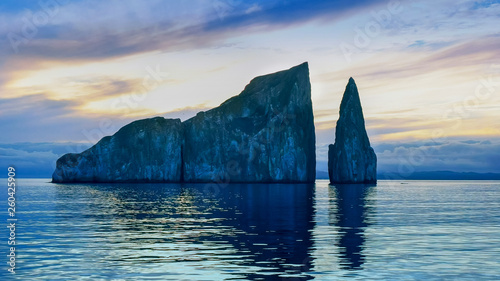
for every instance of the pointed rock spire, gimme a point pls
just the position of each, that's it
(351, 159)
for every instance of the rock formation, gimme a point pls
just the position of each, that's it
(147, 150)
(351, 159)
(265, 134)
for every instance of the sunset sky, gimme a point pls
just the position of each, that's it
(428, 72)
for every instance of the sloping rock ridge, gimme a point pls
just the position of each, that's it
(146, 150)
(265, 134)
(351, 159)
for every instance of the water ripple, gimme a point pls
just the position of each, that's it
(422, 230)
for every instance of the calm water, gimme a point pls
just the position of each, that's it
(414, 230)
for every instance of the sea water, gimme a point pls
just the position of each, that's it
(396, 230)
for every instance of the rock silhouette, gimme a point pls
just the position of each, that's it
(351, 159)
(265, 134)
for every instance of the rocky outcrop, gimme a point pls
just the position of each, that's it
(351, 159)
(143, 151)
(265, 134)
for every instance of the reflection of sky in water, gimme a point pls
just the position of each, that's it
(257, 232)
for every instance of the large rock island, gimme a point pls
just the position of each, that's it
(351, 159)
(265, 134)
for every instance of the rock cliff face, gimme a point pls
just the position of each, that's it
(143, 151)
(351, 159)
(265, 134)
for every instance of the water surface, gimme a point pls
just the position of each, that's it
(414, 230)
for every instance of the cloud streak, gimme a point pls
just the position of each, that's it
(78, 32)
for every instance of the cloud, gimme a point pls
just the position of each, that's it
(481, 50)
(81, 88)
(99, 87)
(406, 158)
(452, 155)
(432, 22)
(77, 31)
(254, 8)
(38, 106)
(35, 159)
(80, 93)
(280, 13)
(404, 63)
(37, 118)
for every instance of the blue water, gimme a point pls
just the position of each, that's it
(413, 230)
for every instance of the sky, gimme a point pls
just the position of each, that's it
(428, 72)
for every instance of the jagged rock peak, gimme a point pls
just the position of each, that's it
(264, 134)
(351, 159)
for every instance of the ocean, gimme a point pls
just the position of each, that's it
(396, 230)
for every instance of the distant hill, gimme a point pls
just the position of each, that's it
(442, 175)
(428, 175)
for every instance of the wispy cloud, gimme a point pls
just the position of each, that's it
(78, 31)
(39, 106)
(36, 117)
(404, 63)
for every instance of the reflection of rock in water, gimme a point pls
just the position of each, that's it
(351, 214)
(249, 231)
(275, 221)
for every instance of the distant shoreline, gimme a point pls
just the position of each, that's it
(434, 176)
(429, 175)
